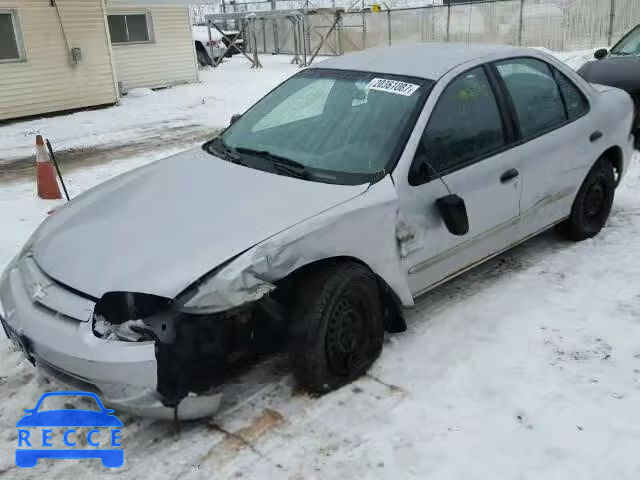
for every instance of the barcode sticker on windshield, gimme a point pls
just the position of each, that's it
(392, 86)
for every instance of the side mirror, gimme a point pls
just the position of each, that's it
(601, 53)
(234, 118)
(454, 213)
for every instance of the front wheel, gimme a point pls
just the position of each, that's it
(337, 328)
(592, 204)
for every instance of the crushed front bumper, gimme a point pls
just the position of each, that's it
(123, 374)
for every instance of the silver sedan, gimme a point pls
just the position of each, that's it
(312, 222)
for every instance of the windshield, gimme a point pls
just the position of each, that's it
(328, 125)
(629, 45)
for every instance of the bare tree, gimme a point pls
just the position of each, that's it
(198, 11)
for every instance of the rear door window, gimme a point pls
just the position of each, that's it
(535, 95)
(574, 100)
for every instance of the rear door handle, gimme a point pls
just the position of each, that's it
(595, 136)
(509, 175)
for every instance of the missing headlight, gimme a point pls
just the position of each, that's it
(126, 316)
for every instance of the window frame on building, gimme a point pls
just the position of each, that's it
(149, 24)
(17, 34)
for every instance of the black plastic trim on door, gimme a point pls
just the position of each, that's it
(509, 123)
(506, 95)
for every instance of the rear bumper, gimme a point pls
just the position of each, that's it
(123, 374)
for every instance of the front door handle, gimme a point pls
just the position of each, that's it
(595, 136)
(509, 175)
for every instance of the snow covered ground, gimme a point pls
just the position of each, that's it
(202, 107)
(525, 368)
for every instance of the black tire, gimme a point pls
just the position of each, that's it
(203, 58)
(337, 327)
(592, 204)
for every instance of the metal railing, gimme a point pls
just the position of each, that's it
(560, 26)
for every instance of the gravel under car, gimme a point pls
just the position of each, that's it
(312, 222)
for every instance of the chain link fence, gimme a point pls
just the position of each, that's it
(560, 26)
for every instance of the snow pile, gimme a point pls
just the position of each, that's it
(140, 92)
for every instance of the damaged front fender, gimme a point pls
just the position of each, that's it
(363, 228)
(224, 289)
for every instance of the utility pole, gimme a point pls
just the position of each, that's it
(224, 10)
(276, 46)
(612, 18)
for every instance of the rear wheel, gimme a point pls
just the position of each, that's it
(592, 204)
(337, 328)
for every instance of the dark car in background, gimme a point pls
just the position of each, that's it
(619, 67)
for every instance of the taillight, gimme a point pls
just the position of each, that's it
(212, 43)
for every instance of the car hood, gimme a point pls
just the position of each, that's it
(159, 228)
(620, 72)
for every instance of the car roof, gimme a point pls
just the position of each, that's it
(423, 60)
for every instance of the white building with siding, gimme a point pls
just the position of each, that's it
(71, 54)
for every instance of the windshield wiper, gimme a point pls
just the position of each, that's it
(223, 150)
(283, 164)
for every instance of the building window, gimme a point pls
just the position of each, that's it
(130, 28)
(11, 49)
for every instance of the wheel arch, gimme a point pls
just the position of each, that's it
(391, 303)
(615, 157)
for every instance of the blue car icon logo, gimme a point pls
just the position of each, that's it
(39, 418)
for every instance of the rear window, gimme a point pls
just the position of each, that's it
(574, 100)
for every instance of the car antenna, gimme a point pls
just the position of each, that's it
(439, 175)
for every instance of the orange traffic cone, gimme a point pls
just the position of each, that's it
(46, 174)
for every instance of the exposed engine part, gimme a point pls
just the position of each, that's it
(119, 307)
(208, 349)
(133, 317)
(118, 331)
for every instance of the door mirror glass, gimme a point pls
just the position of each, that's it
(601, 53)
(454, 213)
(234, 118)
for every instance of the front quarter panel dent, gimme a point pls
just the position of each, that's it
(363, 228)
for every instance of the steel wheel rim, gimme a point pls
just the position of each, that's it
(595, 203)
(346, 335)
